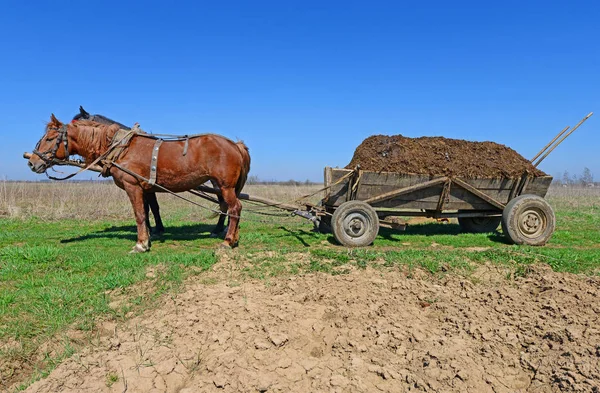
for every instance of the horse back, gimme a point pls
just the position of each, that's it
(207, 157)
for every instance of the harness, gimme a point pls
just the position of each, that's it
(61, 138)
(119, 144)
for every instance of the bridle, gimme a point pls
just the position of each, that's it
(49, 156)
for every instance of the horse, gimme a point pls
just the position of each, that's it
(150, 200)
(208, 157)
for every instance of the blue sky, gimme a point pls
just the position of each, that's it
(303, 83)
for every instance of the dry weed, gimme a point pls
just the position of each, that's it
(104, 200)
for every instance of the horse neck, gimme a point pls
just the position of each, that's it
(88, 142)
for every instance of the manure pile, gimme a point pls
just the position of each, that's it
(440, 156)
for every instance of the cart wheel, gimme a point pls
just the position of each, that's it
(528, 219)
(479, 224)
(355, 224)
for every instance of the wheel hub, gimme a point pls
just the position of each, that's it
(355, 225)
(532, 223)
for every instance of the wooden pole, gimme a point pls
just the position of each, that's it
(551, 142)
(93, 168)
(480, 194)
(562, 139)
(246, 197)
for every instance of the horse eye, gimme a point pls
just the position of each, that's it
(50, 139)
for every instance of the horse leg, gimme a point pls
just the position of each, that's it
(153, 203)
(234, 210)
(220, 228)
(136, 196)
(146, 212)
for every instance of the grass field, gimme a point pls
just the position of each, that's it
(64, 261)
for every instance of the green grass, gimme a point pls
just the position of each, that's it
(57, 276)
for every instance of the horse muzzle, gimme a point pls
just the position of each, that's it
(37, 167)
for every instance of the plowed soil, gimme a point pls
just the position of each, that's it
(373, 330)
(440, 156)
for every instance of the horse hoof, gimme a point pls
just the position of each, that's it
(138, 248)
(225, 246)
(214, 235)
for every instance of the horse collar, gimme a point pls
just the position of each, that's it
(64, 138)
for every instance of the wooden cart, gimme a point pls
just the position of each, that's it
(357, 202)
(361, 201)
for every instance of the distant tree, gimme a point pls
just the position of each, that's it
(587, 177)
(557, 179)
(566, 178)
(253, 180)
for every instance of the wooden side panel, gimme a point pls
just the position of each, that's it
(338, 192)
(393, 179)
(538, 186)
(429, 198)
(372, 184)
(326, 182)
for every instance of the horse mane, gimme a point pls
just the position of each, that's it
(105, 120)
(99, 119)
(94, 138)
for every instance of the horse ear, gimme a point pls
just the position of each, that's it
(54, 120)
(83, 111)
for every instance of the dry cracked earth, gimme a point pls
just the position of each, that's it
(373, 330)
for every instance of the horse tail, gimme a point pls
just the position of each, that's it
(245, 167)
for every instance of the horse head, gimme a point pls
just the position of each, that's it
(52, 146)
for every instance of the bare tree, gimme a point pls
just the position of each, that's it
(587, 177)
(566, 179)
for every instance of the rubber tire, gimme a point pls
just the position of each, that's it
(363, 215)
(535, 209)
(479, 224)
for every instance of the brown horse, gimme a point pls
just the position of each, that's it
(208, 157)
(150, 200)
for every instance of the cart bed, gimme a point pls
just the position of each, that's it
(374, 184)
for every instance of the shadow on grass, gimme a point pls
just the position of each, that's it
(497, 237)
(300, 235)
(427, 229)
(129, 232)
(434, 228)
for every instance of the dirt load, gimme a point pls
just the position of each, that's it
(373, 330)
(440, 156)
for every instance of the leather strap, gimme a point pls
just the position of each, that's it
(154, 161)
(185, 147)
